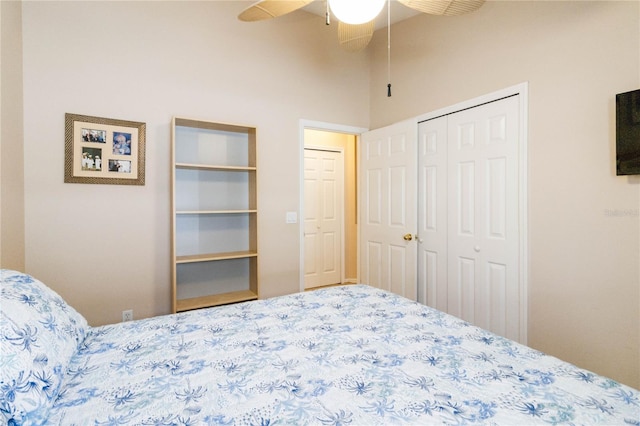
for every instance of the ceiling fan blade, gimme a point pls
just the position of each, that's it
(355, 37)
(267, 9)
(443, 7)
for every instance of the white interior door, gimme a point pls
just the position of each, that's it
(483, 220)
(432, 213)
(471, 220)
(388, 208)
(323, 211)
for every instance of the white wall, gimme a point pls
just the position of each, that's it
(105, 248)
(584, 221)
(12, 243)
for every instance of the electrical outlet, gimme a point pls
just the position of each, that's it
(127, 315)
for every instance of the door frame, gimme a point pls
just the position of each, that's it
(521, 90)
(326, 127)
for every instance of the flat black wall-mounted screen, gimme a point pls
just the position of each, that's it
(628, 133)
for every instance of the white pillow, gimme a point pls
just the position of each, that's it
(39, 333)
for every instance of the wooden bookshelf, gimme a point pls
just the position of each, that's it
(214, 214)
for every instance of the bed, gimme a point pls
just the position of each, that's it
(350, 355)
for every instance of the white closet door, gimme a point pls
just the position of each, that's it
(469, 216)
(432, 213)
(388, 208)
(483, 217)
(323, 192)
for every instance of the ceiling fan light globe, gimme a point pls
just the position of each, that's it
(356, 11)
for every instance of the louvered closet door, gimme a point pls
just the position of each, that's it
(388, 208)
(469, 218)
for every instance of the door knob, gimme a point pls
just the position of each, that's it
(477, 249)
(408, 237)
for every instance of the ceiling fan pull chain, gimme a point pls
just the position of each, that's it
(389, 47)
(327, 15)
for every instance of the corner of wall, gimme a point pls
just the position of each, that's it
(12, 222)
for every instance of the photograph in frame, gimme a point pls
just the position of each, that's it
(104, 151)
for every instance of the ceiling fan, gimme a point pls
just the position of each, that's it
(356, 18)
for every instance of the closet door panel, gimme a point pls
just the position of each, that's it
(432, 213)
(468, 216)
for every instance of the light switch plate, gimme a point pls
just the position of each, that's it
(292, 217)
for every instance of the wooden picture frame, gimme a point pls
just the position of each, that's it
(103, 151)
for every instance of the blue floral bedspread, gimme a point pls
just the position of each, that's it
(350, 355)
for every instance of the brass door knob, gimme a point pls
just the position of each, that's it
(408, 237)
